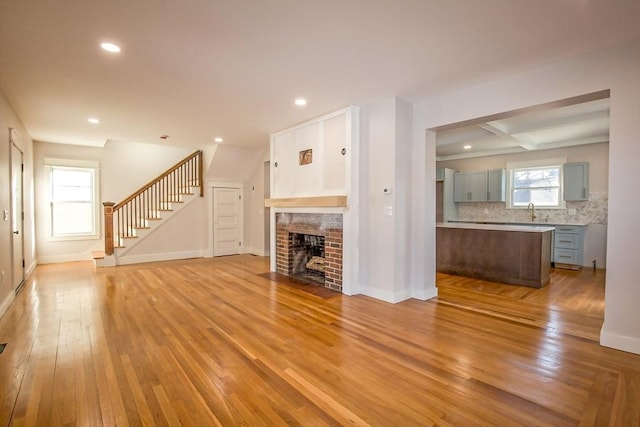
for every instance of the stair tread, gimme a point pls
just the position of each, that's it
(97, 255)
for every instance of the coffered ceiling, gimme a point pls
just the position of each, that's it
(196, 70)
(539, 128)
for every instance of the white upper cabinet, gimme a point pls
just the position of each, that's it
(307, 159)
(335, 154)
(283, 163)
(314, 158)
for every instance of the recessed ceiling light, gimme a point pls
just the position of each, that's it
(110, 47)
(467, 147)
(217, 139)
(93, 120)
(300, 102)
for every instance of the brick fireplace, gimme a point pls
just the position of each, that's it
(289, 228)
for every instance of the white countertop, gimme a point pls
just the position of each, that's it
(534, 223)
(497, 227)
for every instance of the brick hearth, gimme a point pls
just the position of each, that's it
(327, 225)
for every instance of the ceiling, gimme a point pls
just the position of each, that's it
(195, 70)
(565, 123)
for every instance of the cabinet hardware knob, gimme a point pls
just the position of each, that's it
(275, 164)
(343, 151)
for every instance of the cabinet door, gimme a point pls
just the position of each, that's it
(284, 164)
(308, 176)
(576, 181)
(335, 155)
(461, 187)
(496, 185)
(478, 186)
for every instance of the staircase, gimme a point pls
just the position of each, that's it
(128, 222)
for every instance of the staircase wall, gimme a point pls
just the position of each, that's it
(124, 167)
(181, 236)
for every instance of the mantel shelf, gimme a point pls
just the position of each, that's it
(308, 202)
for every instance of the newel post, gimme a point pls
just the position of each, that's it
(108, 227)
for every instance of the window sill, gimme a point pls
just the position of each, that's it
(73, 238)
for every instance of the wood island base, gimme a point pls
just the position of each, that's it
(517, 255)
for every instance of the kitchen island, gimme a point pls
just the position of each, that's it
(513, 254)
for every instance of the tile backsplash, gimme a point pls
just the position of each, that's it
(592, 211)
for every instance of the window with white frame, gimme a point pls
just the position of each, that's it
(73, 199)
(537, 182)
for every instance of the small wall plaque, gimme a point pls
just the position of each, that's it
(305, 157)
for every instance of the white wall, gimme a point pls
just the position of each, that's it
(377, 171)
(388, 269)
(9, 119)
(254, 211)
(617, 69)
(124, 167)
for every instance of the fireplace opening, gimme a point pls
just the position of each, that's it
(307, 251)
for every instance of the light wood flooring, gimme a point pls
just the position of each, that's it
(210, 342)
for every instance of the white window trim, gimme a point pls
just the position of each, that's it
(69, 163)
(541, 163)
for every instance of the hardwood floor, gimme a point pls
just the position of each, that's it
(210, 342)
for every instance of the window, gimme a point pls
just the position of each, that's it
(73, 200)
(537, 182)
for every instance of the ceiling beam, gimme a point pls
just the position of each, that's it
(522, 141)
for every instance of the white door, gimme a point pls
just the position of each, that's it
(227, 221)
(17, 217)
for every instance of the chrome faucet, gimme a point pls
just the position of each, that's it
(532, 208)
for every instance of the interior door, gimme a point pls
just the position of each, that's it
(17, 218)
(226, 221)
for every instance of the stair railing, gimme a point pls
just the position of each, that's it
(144, 205)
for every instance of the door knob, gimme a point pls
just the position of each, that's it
(16, 232)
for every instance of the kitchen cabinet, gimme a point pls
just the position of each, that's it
(568, 246)
(496, 185)
(470, 186)
(446, 209)
(576, 181)
(484, 186)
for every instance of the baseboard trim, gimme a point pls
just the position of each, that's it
(55, 259)
(164, 256)
(31, 269)
(620, 342)
(256, 252)
(425, 294)
(390, 297)
(7, 303)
